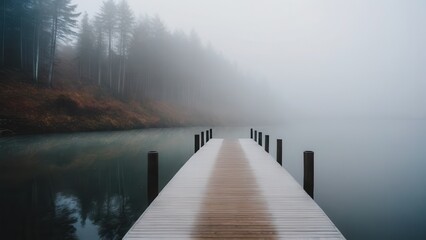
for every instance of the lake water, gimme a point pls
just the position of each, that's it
(369, 177)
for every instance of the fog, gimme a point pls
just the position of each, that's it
(334, 59)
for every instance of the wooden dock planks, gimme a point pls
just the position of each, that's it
(233, 189)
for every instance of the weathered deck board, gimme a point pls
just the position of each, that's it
(233, 189)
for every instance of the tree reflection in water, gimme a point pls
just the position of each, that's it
(58, 187)
(33, 212)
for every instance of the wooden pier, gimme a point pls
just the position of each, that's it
(233, 189)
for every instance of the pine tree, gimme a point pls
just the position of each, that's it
(64, 21)
(108, 17)
(85, 47)
(37, 21)
(99, 47)
(125, 26)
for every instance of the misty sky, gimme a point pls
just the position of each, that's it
(360, 58)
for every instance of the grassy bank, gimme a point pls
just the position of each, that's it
(28, 109)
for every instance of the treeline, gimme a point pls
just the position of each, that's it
(133, 58)
(30, 31)
(142, 59)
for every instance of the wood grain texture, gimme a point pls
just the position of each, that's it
(233, 189)
(233, 206)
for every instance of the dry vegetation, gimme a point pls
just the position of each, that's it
(26, 108)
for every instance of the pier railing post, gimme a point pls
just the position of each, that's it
(211, 133)
(267, 143)
(255, 135)
(251, 133)
(308, 176)
(260, 138)
(202, 138)
(196, 143)
(280, 151)
(207, 136)
(152, 176)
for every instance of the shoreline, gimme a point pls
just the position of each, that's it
(44, 133)
(27, 109)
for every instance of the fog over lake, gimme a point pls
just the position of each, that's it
(326, 58)
(345, 79)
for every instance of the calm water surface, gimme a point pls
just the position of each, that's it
(370, 177)
(82, 186)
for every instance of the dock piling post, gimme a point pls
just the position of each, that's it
(267, 143)
(202, 138)
(260, 138)
(255, 135)
(251, 133)
(196, 143)
(308, 176)
(211, 133)
(152, 176)
(207, 136)
(280, 151)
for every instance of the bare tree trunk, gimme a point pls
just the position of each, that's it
(123, 62)
(79, 69)
(99, 71)
(110, 59)
(119, 75)
(21, 44)
(53, 48)
(36, 51)
(3, 33)
(123, 79)
(37, 56)
(90, 69)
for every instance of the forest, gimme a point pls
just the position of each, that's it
(131, 58)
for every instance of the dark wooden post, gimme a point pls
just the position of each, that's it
(267, 143)
(308, 176)
(260, 138)
(152, 176)
(280, 151)
(255, 135)
(202, 138)
(207, 136)
(251, 133)
(196, 143)
(211, 133)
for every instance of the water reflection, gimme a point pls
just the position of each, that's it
(83, 186)
(369, 177)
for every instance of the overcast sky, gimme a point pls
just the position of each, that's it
(324, 57)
